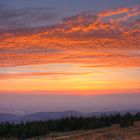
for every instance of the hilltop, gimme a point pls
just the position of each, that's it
(109, 133)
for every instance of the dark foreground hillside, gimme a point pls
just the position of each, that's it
(108, 133)
(114, 132)
(72, 127)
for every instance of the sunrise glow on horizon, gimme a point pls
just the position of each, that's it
(84, 51)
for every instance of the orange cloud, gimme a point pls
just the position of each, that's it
(84, 38)
(107, 13)
(38, 74)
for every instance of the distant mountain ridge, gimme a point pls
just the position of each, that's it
(50, 115)
(38, 116)
(7, 117)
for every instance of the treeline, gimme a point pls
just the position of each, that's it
(38, 128)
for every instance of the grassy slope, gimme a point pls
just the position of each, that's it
(110, 133)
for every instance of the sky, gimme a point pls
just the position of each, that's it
(77, 47)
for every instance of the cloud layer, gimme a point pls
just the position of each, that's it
(109, 37)
(96, 42)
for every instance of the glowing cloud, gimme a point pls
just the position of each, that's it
(107, 39)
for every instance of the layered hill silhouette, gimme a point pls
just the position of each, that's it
(6, 117)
